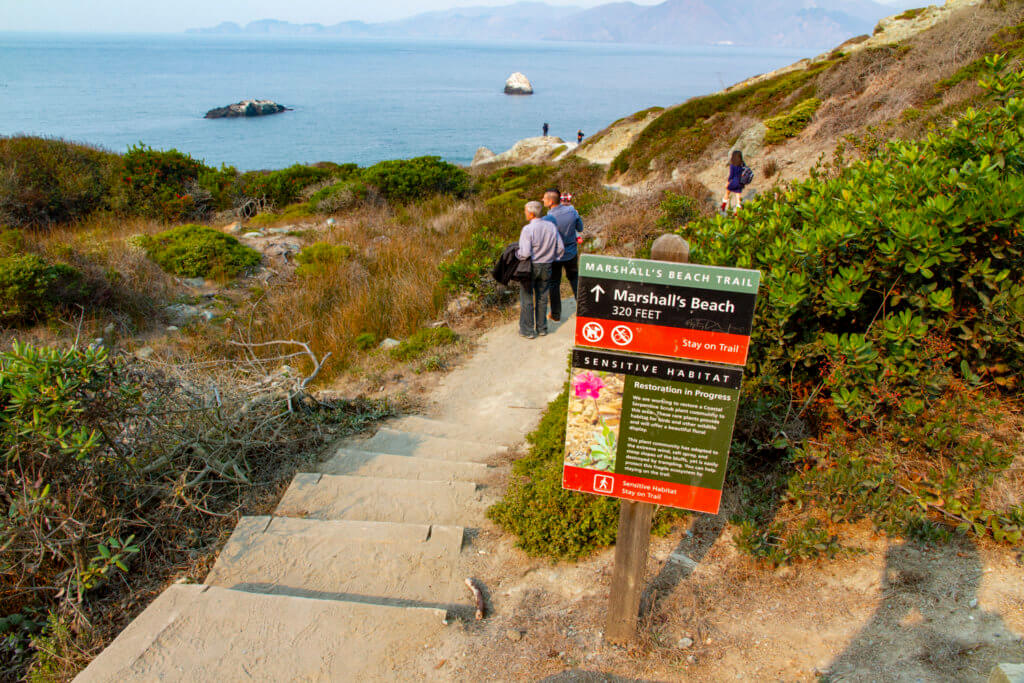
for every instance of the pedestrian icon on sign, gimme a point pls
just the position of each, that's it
(603, 483)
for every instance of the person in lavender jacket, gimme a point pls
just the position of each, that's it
(538, 241)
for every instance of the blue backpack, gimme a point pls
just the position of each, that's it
(746, 175)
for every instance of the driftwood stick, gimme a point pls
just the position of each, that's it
(478, 597)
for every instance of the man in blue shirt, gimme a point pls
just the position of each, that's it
(538, 241)
(569, 224)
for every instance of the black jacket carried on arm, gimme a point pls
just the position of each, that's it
(508, 268)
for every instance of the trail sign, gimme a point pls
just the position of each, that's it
(680, 310)
(649, 429)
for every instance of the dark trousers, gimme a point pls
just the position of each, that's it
(533, 303)
(572, 273)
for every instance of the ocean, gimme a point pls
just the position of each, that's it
(354, 100)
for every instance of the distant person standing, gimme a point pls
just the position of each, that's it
(569, 224)
(538, 241)
(544, 128)
(739, 177)
(579, 136)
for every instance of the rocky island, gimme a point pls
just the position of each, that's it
(518, 84)
(246, 108)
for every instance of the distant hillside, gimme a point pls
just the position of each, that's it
(775, 23)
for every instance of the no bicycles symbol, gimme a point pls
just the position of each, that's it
(593, 332)
(622, 335)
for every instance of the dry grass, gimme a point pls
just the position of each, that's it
(628, 222)
(129, 288)
(388, 288)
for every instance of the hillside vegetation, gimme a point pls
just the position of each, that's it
(883, 382)
(894, 89)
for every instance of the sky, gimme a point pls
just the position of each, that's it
(133, 16)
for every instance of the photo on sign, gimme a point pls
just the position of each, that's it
(595, 412)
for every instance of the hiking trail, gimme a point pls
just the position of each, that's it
(361, 566)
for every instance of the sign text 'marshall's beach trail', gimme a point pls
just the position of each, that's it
(668, 309)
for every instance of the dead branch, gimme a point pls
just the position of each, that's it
(478, 596)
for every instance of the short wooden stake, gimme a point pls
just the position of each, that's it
(631, 546)
(634, 536)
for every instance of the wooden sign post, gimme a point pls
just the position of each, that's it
(634, 536)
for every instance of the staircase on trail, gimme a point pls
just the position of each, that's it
(357, 572)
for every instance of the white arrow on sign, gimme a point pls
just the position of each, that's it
(598, 290)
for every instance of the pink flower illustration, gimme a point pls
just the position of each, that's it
(587, 384)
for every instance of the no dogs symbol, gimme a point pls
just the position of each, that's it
(593, 332)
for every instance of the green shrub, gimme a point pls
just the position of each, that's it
(46, 181)
(423, 340)
(366, 341)
(32, 289)
(280, 188)
(888, 285)
(407, 180)
(340, 196)
(789, 125)
(677, 210)
(470, 269)
(159, 184)
(199, 251)
(317, 258)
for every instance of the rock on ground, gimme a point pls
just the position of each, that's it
(532, 151)
(482, 155)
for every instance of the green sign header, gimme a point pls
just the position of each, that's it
(667, 273)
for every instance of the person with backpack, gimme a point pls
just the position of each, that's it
(740, 176)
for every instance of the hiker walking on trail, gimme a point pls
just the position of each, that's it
(579, 136)
(538, 241)
(545, 128)
(740, 176)
(569, 224)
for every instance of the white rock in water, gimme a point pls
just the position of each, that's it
(518, 84)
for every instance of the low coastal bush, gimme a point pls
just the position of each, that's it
(407, 180)
(788, 125)
(158, 184)
(199, 251)
(32, 289)
(44, 181)
(317, 258)
(340, 196)
(891, 293)
(280, 188)
(421, 341)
